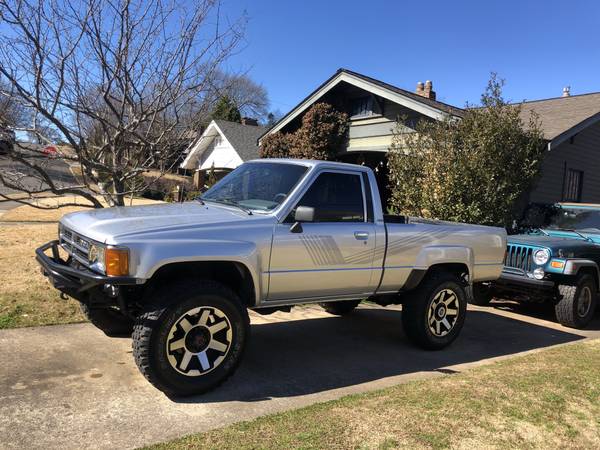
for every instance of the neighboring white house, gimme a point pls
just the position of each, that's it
(223, 146)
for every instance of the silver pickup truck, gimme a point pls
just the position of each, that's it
(271, 234)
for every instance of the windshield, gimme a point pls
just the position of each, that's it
(575, 219)
(258, 186)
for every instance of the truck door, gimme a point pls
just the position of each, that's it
(333, 254)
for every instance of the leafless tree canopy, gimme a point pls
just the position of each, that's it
(249, 97)
(121, 82)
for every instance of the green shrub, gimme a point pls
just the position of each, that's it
(321, 135)
(470, 170)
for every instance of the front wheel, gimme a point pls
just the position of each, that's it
(192, 338)
(435, 314)
(578, 302)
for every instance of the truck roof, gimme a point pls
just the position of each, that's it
(313, 163)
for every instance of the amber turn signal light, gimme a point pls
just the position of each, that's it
(117, 262)
(557, 264)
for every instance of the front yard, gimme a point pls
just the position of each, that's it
(550, 399)
(26, 297)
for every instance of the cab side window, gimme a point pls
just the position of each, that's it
(336, 197)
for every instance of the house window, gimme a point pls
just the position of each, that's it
(218, 140)
(362, 106)
(573, 185)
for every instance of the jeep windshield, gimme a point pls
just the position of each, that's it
(258, 186)
(576, 219)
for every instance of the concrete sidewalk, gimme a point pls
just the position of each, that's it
(71, 387)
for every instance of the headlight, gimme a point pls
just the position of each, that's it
(541, 256)
(538, 273)
(96, 257)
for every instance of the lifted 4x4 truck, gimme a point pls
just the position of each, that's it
(270, 235)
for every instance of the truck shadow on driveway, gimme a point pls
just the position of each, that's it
(309, 356)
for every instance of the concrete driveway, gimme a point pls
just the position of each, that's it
(71, 387)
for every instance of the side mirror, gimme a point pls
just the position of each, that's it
(302, 214)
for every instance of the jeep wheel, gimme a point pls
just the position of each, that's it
(482, 294)
(434, 315)
(192, 339)
(340, 308)
(578, 303)
(110, 321)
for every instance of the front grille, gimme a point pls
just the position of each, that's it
(518, 257)
(75, 245)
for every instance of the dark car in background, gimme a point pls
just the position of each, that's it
(556, 261)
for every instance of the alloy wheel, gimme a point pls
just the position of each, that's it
(443, 312)
(199, 341)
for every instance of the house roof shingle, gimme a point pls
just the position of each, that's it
(560, 114)
(243, 138)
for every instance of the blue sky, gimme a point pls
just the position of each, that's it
(537, 46)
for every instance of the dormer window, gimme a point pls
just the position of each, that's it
(362, 106)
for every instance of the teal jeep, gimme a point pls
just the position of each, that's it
(557, 261)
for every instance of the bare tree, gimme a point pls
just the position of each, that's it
(12, 112)
(249, 97)
(120, 81)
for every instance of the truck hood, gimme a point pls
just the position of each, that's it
(110, 224)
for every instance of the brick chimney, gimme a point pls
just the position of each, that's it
(426, 90)
(249, 121)
(566, 91)
(420, 88)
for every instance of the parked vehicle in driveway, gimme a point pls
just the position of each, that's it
(557, 263)
(270, 235)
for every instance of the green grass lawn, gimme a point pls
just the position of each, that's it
(549, 399)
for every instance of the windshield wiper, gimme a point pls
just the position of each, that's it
(229, 203)
(577, 233)
(545, 233)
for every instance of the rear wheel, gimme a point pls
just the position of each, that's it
(340, 308)
(110, 321)
(435, 314)
(578, 302)
(192, 338)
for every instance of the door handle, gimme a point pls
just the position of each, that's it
(361, 235)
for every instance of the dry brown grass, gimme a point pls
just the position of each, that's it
(31, 214)
(550, 399)
(26, 297)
